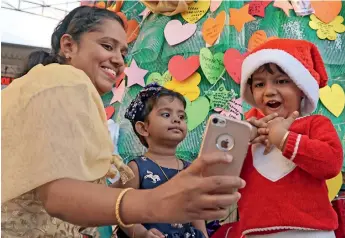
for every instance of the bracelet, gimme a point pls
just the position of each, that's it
(283, 140)
(117, 208)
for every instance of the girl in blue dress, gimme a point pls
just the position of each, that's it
(159, 120)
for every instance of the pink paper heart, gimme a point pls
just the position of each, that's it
(176, 33)
(233, 60)
(215, 4)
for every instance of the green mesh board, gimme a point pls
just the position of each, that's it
(152, 52)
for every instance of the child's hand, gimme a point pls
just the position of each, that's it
(278, 127)
(261, 132)
(154, 233)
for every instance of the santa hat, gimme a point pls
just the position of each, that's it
(299, 59)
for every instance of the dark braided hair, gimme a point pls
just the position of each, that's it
(80, 20)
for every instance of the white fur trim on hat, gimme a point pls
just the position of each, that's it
(291, 66)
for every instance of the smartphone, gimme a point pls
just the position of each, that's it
(229, 136)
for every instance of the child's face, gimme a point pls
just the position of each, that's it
(167, 121)
(275, 92)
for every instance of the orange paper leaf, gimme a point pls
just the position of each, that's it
(132, 30)
(239, 17)
(212, 28)
(326, 11)
(258, 38)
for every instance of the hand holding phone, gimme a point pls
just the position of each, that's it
(230, 137)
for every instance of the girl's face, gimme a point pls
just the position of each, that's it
(275, 92)
(100, 54)
(166, 122)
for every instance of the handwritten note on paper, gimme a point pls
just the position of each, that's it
(219, 98)
(211, 65)
(257, 8)
(235, 110)
(327, 30)
(233, 60)
(188, 88)
(158, 78)
(196, 11)
(212, 28)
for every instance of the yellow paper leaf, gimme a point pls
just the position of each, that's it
(333, 98)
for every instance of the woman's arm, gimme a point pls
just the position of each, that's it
(88, 204)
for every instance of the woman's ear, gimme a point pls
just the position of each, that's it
(141, 128)
(68, 46)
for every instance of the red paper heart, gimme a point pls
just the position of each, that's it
(181, 68)
(233, 60)
(109, 111)
(119, 80)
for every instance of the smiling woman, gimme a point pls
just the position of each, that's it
(56, 148)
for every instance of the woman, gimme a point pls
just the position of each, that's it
(56, 148)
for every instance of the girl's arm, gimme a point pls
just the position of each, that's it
(200, 225)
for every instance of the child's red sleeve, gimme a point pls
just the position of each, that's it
(320, 153)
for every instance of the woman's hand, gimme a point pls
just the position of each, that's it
(153, 233)
(189, 196)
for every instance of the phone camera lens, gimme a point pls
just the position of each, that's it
(215, 120)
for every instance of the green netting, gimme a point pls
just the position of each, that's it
(152, 52)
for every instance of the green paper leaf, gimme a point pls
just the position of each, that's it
(197, 112)
(212, 65)
(158, 78)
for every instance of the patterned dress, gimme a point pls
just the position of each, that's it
(151, 176)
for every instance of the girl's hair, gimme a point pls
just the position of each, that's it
(266, 67)
(80, 20)
(148, 105)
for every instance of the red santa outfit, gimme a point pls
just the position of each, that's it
(286, 191)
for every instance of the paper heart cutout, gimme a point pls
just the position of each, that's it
(132, 30)
(258, 38)
(334, 186)
(333, 98)
(215, 5)
(235, 109)
(233, 60)
(109, 111)
(257, 8)
(211, 65)
(184, 32)
(181, 68)
(326, 11)
(197, 112)
(213, 27)
(196, 11)
(158, 78)
(188, 88)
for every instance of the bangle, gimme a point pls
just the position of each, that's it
(283, 140)
(117, 208)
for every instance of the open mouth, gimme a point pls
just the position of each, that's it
(272, 104)
(110, 72)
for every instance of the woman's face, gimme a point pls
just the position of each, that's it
(100, 54)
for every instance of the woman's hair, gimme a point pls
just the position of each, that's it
(80, 20)
(145, 101)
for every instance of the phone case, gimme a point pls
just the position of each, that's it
(230, 136)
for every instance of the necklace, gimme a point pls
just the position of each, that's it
(167, 178)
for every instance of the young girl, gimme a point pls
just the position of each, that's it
(286, 193)
(159, 120)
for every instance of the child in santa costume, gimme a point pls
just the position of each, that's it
(294, 152)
